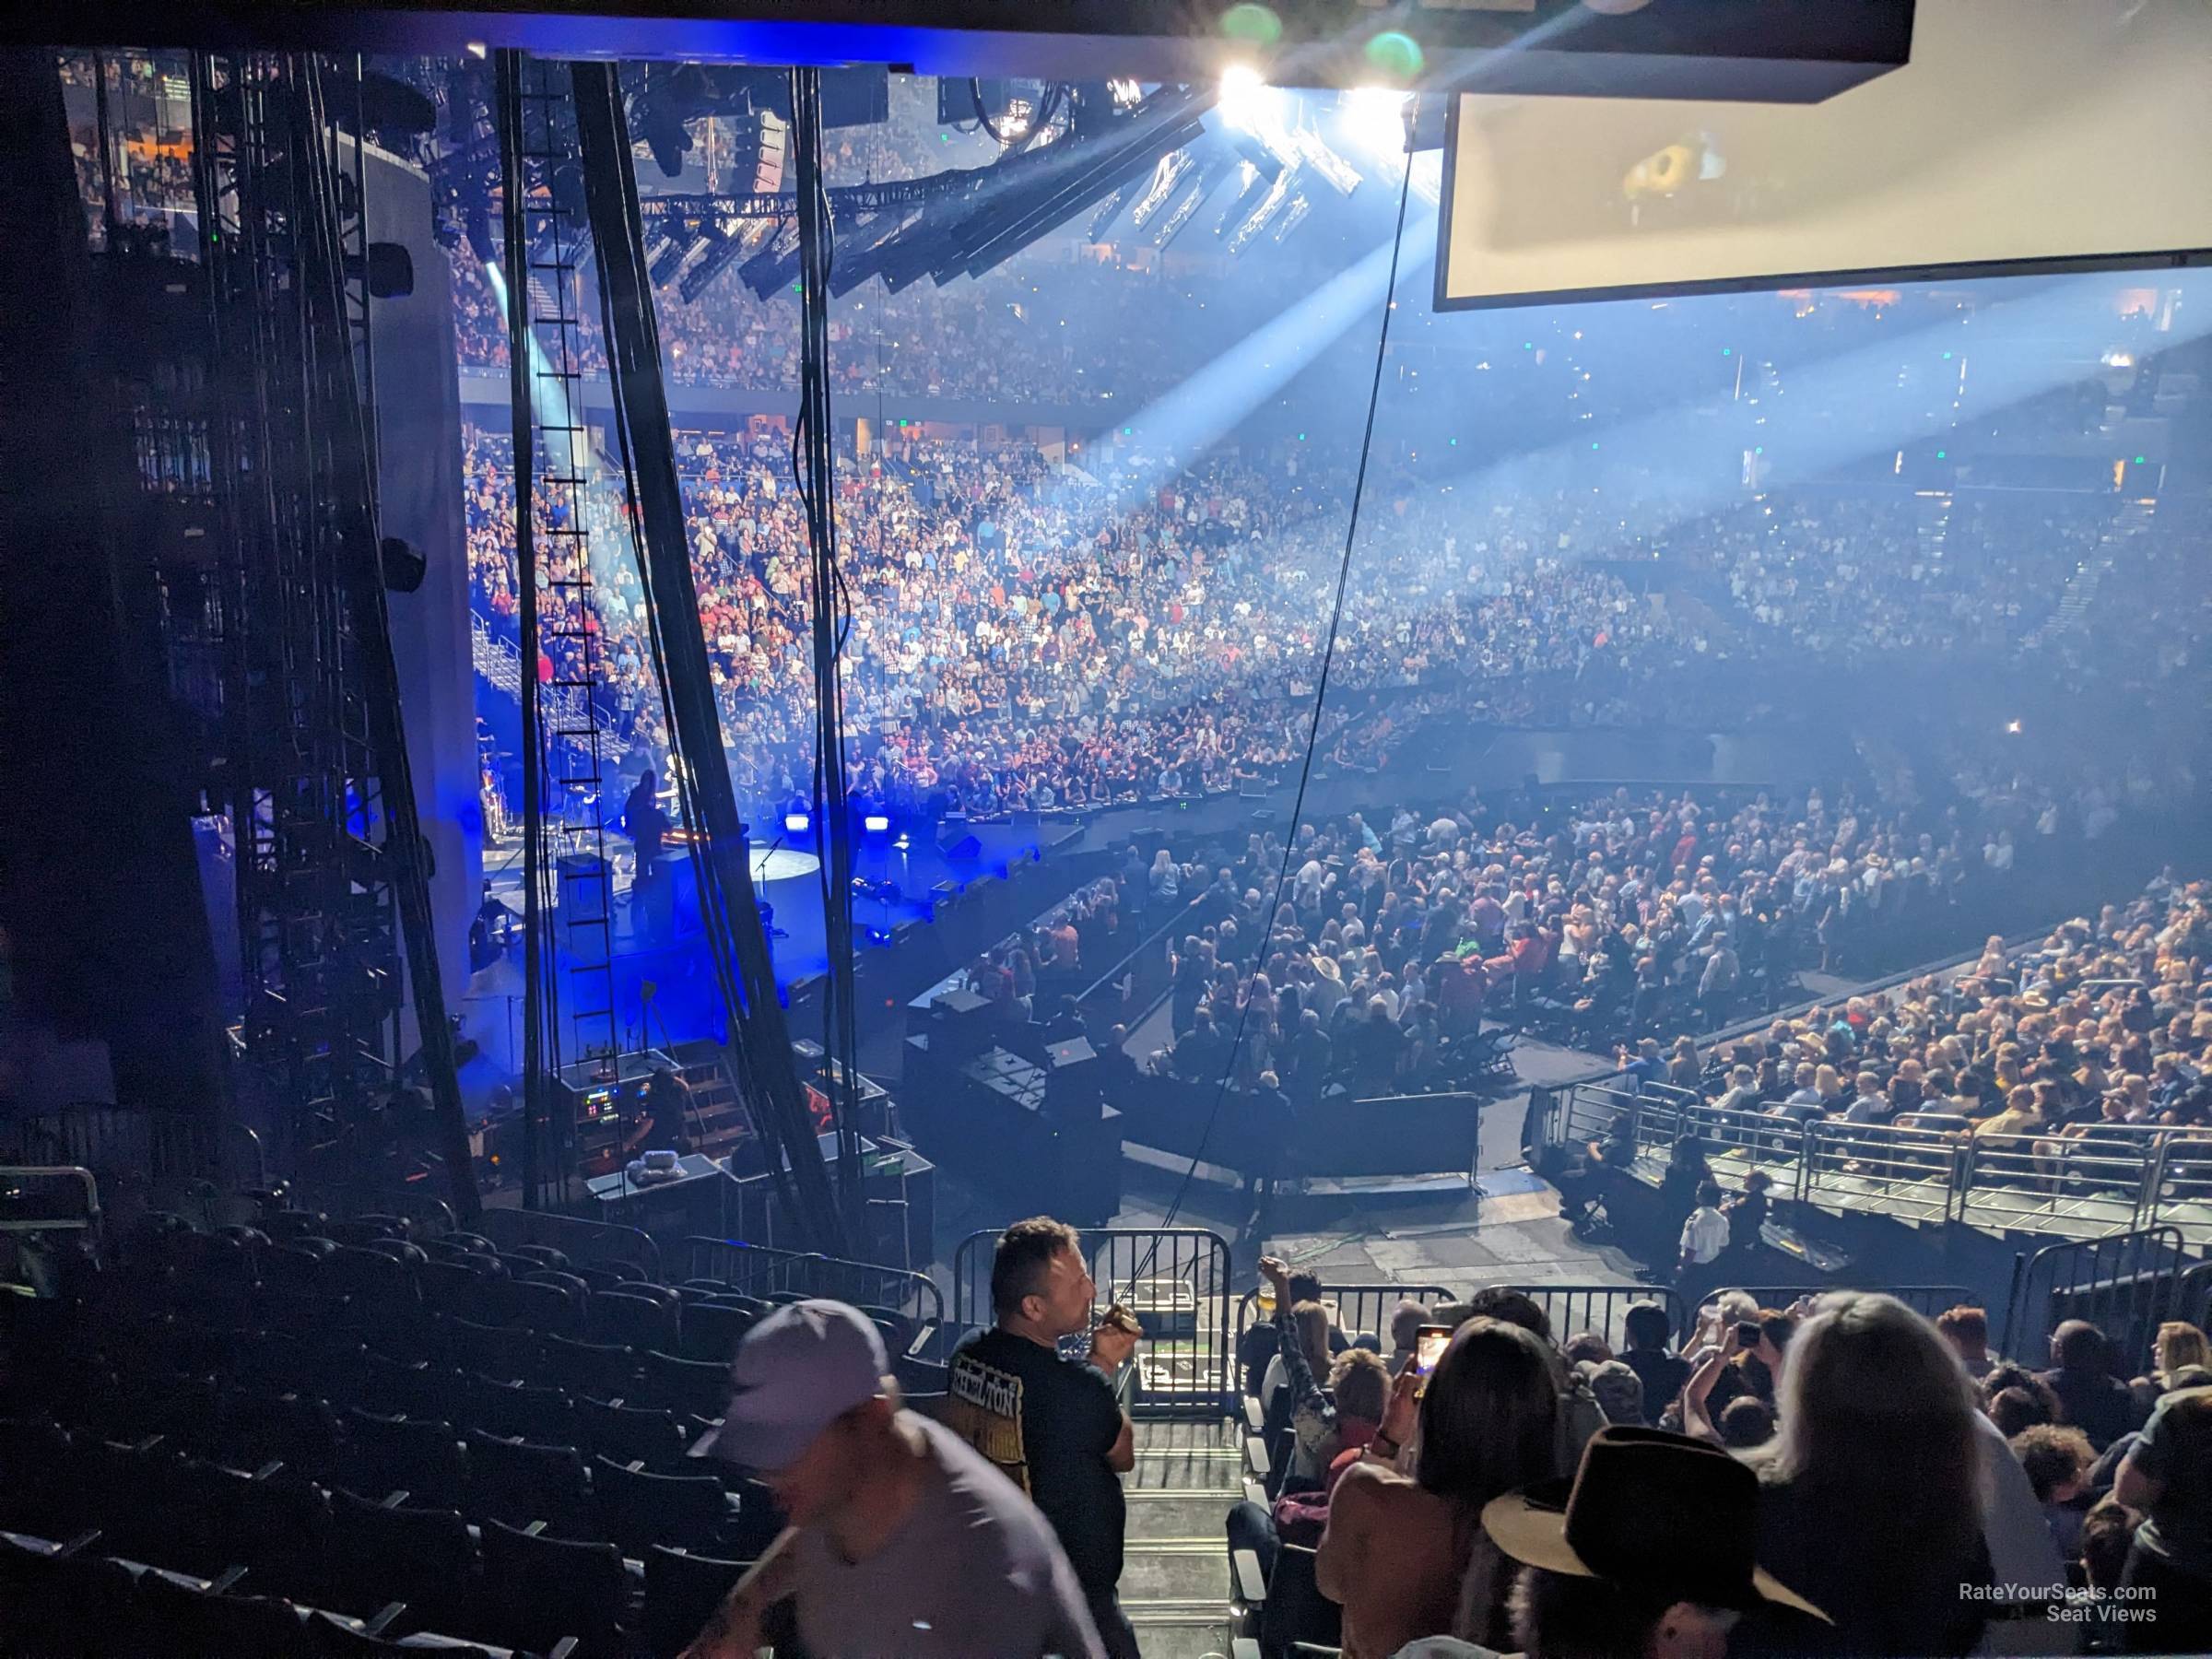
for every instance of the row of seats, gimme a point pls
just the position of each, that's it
(81, 1598)
(510, 1582)
(325, 1437)
(582, 1466)
(396, 1278)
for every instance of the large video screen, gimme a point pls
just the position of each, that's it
(2022, 133)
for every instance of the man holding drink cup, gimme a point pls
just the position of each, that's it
(1054, 1426)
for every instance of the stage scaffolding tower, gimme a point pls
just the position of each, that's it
(568, 760)
(333, 892)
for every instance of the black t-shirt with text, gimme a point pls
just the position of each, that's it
(1050, 1424)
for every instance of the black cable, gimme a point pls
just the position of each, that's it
(1321, 693)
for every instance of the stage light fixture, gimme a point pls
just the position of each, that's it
(1374, 119)
(876, 823)
(796, 823)
(1243, 95)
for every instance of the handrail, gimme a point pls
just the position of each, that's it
(2029, 1178)
(12, 1173)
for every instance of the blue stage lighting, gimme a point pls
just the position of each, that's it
(796, 823)
(876, 823)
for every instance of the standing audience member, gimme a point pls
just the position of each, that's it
(1054, 1426)
(901, 1539)
(2168, 1476)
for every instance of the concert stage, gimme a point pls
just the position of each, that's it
(927, 907)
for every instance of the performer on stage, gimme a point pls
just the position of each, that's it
(646, 824)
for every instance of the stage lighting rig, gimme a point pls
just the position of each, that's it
(673, 253)
(1167, 178)
(725, 245)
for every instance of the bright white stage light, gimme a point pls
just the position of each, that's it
(1374, 119)
(875, 823)
(796, 823)
(1243, 96)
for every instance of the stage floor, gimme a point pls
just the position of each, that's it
(665, 988)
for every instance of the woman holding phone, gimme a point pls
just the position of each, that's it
(1404, 1553)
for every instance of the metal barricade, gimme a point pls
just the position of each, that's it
(62, 1198)
(1911, 1172)
(588, 1243)
(2093, 1184)
(1361, 1310)
(1739, 1142)
(1574, 1308)
(1927, 1300)
(2126, 1285)
(2193, 1302)
(762, 1271)
(2181, 1172)
(1176, 1280)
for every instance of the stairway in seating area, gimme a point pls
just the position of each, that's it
(1175, 1561)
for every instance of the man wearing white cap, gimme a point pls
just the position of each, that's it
(903, 1543)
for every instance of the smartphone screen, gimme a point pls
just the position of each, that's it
(1429, 1347)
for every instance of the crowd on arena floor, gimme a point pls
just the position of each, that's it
(1615, 918)
(2102, 1026)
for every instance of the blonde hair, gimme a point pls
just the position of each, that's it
(2179, 1343)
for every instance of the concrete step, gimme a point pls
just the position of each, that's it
(1172, 1633)
(1181, 1637)
(1207, 1469)
(1178, 1511)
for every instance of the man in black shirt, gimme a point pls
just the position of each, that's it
(2097, 1403)
(1053, 1425)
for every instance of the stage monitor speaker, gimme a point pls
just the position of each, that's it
(1073, 1077)
(966, 846)
(959, 1026)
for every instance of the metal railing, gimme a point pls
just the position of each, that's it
(588, 1243)
(48, 1198)
(1176, 1280)
(1925, 1167)
(2126, 1285)
(1574, 1308)
(1361, 1310)
(763, 1271)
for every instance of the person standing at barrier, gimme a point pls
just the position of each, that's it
(1704, 1237)
(1054, 1426)
(2168, 1475)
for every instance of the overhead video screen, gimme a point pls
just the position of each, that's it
(2023, 133)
